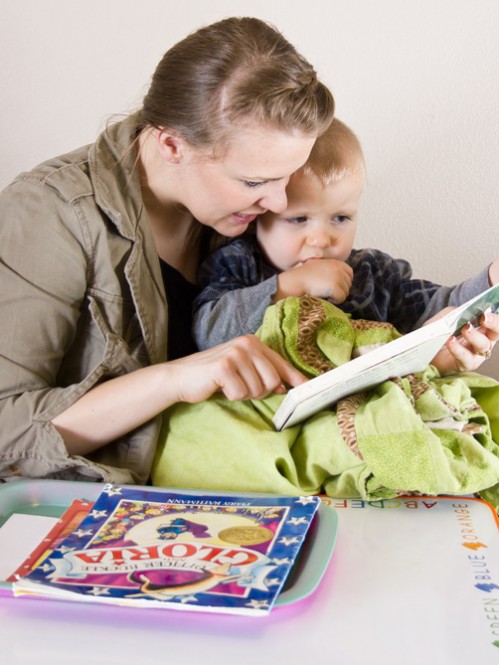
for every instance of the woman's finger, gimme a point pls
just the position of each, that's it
(262, 371)
(242, 369)
(489, 325)
(463, 357)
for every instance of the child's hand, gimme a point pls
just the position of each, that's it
(473, 346)
(322, 278)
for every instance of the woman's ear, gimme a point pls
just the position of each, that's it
(171, 146)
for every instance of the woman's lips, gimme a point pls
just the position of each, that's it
(244, 219)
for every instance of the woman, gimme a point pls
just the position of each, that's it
(100, 248)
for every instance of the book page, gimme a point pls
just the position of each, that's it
(413, 360)
(359, 374)
(19, 536)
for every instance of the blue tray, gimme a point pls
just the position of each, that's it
(52, 497)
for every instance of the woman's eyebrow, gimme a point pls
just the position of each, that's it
(260, 177)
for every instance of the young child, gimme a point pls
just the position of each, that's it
(307, 249)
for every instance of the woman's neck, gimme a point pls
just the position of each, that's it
(176, 233)
(177, 238)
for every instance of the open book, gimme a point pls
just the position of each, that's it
(405, 355)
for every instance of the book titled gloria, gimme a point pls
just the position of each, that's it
(177, 549)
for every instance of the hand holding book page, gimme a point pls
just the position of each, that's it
(405, 355)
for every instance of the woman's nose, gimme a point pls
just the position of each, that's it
(275, 198)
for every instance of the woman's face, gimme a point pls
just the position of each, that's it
(229, 191)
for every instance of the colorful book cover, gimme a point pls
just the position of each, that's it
(177, 549)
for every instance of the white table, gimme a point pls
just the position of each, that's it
(401, 588)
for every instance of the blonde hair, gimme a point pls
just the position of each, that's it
(336, 153)
(236, 69)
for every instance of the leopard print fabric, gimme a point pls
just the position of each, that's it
(312, 315)
(364, 324)
(346, 409)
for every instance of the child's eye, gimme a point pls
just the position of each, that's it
(297, 220)
(340, 219)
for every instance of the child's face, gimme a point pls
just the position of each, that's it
(319, 222)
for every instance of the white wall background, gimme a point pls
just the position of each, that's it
(417, 80)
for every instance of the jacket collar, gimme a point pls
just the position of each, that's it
(112, 161)
(115, 179)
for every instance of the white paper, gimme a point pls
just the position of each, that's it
(19, 536)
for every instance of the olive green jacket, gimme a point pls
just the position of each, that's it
(81, 301)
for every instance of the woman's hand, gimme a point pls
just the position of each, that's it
(471, 348)
(243, 368)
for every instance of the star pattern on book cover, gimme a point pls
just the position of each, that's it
(64, 549)
(257, 604)
(110, 490)
(272, 581)
(289, 541)
(99, 591)
(150, 547)
(296, 521)
(98, 514)
(188, 599)
(81, 533)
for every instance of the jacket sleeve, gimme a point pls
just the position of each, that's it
(43, 278)
(235, 294)
(236, 312)
(384, 289)
(414, 301)
(453, 296)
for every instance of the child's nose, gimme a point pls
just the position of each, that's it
(320, 239)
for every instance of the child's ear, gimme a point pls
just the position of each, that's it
(171, 145)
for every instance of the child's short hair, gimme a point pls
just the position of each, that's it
(336, 153)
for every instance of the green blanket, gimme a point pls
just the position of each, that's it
(423, 434)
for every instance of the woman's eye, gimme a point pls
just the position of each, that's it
(253, 183)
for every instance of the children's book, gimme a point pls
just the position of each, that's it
(143, 547)
(405, 355)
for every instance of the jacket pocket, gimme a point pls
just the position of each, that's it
(98, 347)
